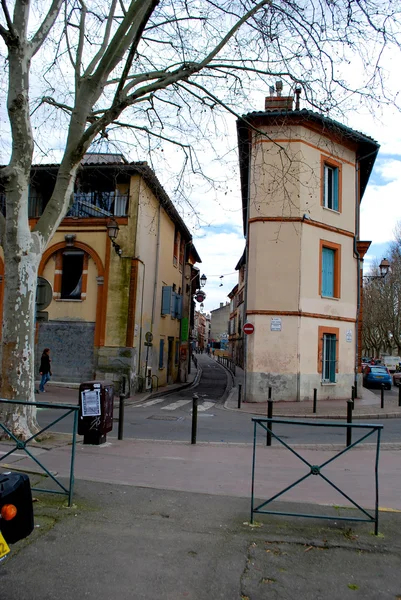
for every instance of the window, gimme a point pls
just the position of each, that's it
(71, 280)
(328, 353)
(161, 354)
(330, 269)
(177, 242)
(177, 350)
(329, 357)
(331, 184)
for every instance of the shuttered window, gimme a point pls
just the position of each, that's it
(328, 267)
(167, 294)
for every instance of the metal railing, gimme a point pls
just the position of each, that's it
(316, 470)
(23, 445)
(92, 204)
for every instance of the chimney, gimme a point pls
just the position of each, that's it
(221, 304)
(278, 102)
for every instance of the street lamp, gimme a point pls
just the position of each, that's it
(112, 232)
(203, 280)
(384, 268)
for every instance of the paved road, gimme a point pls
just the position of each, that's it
(170, 417)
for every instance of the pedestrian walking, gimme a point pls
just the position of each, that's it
(44, 369)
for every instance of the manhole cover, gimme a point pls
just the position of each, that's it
(163, 418)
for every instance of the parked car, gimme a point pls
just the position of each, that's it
(376, 375)
(397, 378)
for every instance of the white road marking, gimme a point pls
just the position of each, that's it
(150, 403)
(175, 405)
(205, 406)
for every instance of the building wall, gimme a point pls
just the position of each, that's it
(102, 335)
(219, 322)
(284, 267)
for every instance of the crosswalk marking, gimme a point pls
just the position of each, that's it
(150, 403)
(205, 406)
(175, 405)
(202, 406)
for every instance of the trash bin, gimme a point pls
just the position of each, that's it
(96, 400)
(15, 489)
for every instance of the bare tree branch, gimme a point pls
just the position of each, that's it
(45, 27)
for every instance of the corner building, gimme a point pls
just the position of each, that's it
(303, 177)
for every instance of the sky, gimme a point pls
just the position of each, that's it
(221, 243)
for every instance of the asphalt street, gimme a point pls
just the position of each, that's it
(169, 417)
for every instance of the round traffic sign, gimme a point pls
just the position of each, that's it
(149, 337)
(44, 293)
(248, 328)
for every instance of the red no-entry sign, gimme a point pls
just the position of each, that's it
(248, 328)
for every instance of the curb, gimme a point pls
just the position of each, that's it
(340, 417)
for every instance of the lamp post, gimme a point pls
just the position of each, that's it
(384, 268)
(112, 232)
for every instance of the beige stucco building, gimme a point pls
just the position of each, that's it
(122, 304)
(303, 177)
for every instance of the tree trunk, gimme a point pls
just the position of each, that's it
(21, 257)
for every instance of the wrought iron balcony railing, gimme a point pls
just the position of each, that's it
(91, 204)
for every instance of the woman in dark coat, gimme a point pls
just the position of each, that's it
(44, 369)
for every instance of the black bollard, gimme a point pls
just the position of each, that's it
(239, 394)
(349, 420)
(314, 400)
(194, 418)
(399, 395)
(121, 417)
(382, 396)
(353, 397)
(269, 424)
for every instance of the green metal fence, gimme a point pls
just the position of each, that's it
(267, 425)
(23, 445)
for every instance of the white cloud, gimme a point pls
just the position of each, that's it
(381, 205)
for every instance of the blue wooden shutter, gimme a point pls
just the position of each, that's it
(335, 189)
(161, 354)
(166, 299)
(328, 272)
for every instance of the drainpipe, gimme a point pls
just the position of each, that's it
(245, 397)
(154, 289)
(358, 259)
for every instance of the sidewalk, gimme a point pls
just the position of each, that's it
(366, 407)
(169, 520)
(60, 392)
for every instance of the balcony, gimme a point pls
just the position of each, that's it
(84, 205)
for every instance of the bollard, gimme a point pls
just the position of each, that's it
(269, 416)
(356, 389)
(314, 399)
(399, 395)
(239, 394)
(349, 420)
(194, 418)
(382, 396)
(353, 397)
(121, 417)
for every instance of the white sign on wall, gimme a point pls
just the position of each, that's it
(275, 324)
(348, 335)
